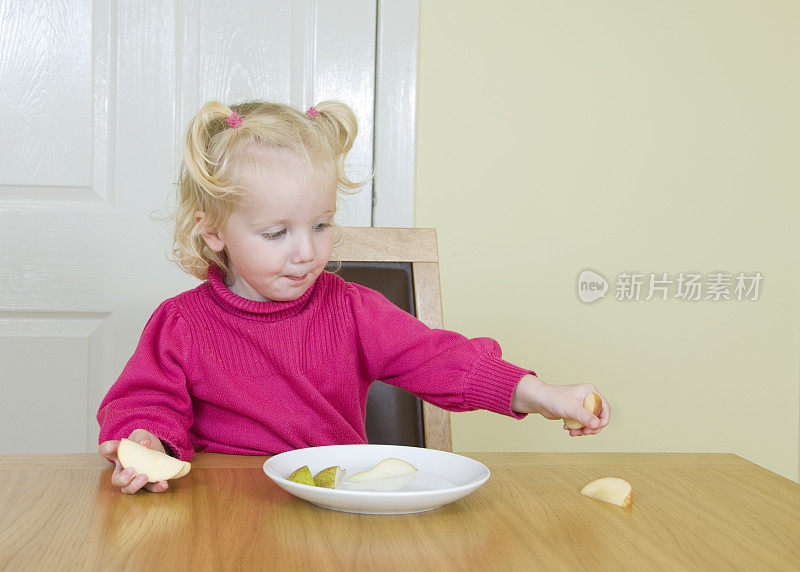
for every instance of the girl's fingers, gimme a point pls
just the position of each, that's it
(127, 479)
(116, 476)
(582, 432)
(108, 449)
(158, 487)
(135, 484)
(605, 414)
(122, 477)
(130, 483)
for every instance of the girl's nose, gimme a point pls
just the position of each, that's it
(303, 249)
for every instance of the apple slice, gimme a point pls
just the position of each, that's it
(610, 489)
(592, 403)
(156, 465)
(182, 473)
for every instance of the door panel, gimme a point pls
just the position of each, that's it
(96, 96)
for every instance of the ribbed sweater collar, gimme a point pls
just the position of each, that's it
(253, 309)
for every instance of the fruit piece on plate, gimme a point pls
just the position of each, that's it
(302, 476)
(610, 489)
(387, 476)
(592, 403)
(156, 465)
(387, 468)
(329, 478)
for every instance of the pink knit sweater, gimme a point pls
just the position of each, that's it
(219, 373)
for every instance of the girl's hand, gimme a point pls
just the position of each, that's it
(124, 478)
(560, 402)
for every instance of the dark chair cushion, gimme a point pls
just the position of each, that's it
(394, 416)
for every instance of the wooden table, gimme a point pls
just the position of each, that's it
(690, 512)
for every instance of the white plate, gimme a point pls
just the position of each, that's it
(441, 477)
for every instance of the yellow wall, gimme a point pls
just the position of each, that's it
(635, 135)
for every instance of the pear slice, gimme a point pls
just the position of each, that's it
(302, 476)
(593, 403)
(610, 489)
(156, 465)
(329, 478)
(384, 485)
(387, 468)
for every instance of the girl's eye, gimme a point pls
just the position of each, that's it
(280, 233)
(273, 235)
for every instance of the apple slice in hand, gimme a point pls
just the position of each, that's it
(182, 473)
(592, 403)
(156, 465)
(610, 489)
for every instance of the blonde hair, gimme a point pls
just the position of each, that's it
(216, 162)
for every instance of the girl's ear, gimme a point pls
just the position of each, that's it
(212, 239)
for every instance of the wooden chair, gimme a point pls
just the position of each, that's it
(403, 265)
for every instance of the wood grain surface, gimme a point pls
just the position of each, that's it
(690, 512)
(374, 244)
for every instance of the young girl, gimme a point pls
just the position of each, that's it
(273, 353)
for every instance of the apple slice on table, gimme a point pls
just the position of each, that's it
(156, 465)
(593, 403)
(610, 489)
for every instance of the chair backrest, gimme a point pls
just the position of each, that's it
(403, 265)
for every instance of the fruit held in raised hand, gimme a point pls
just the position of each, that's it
(329, 478)
(156, 465)
(610, 489)
(302, 476)
(387, 468)
(592, 403)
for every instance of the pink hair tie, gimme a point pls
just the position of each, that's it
(234, 120)
(312, 111)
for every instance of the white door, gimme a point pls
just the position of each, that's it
(95, 96)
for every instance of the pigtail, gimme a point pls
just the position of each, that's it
(197, 159)
(342, 121)
(341, 129)
(201, 186)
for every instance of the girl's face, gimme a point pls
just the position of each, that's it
(278, 238)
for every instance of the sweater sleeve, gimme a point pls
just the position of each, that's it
(151, 393)
(442, 367)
